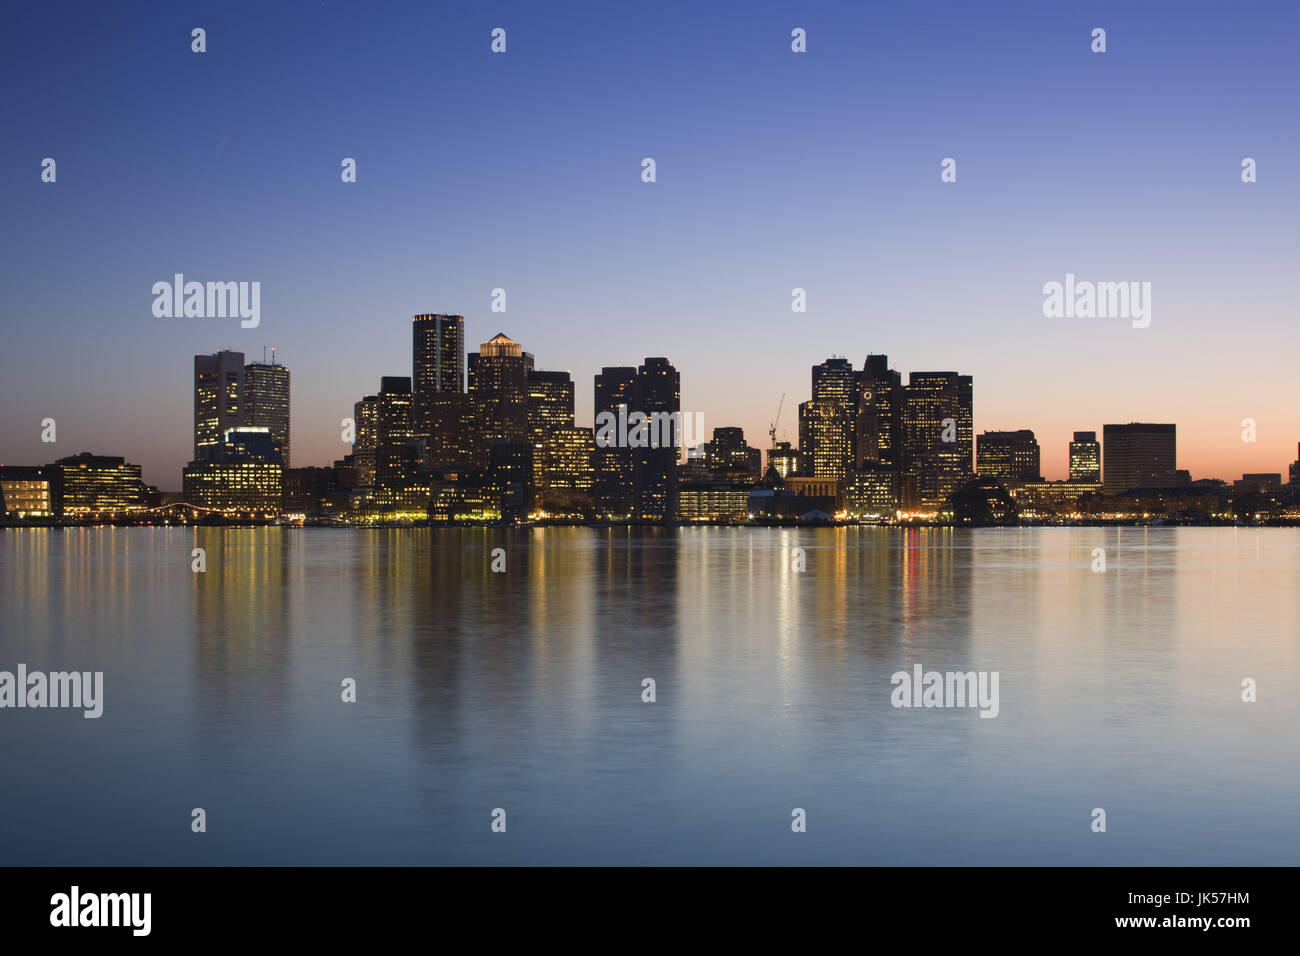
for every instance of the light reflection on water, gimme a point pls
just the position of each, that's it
(522, 690)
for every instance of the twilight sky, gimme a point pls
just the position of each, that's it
(775, 170)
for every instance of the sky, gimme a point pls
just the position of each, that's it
(775, 170)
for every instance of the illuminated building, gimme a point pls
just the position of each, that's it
(937, 444)
(879, 425)
(31, 491)
(266, 401)
(729, 454)
(99, 484)
(241, 476)
(1085, 458)
(783, 459)
(613, 482)
(1009, 456)
(658, 392)
(365, 418)
(498, 385)
(438, 360)
(872, 493)
(826, 444)
(218, 397)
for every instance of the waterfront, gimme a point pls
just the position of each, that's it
(522, 690)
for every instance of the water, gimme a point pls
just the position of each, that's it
(522, 690)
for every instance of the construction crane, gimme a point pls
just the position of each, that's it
(771, 432)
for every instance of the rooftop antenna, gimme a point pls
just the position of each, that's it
(272, 354)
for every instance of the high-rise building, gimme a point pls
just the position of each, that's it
(562, 454)
(879, 426)
(937, 444)
(398, 454)
(218, 397)
(266, 401)
(834, 381)
(438, 354)
(498, 385)
(659, 397)
(1085, 458)
(826, 444)
(827, 435)
(365, 443)
(1009, 456)
(454, 437)
(613, 479)
(393, 424)
(1294, 471)
(1139, 455)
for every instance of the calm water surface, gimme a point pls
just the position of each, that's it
(522, 690)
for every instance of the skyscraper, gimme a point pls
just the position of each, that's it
(834, 381)
(365, 443)
(826, 444)
(937, 440)
(613, 481)
(1138, 455)
(659, 393)
(1085, 458)
(438, 359)
(218, 397)
(498, 385)
(879, 425)
(550, 417)
(266, 401)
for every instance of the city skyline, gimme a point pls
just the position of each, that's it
(843, 143)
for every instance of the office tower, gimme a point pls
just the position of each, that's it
(1009, 456)
(562, 454)
(365, 418)
(834, 381)
(659, 398)
(218, 397)
(438, 360)
(498, 384)
(966, 422)
(1085, 458)
(826, 445)
(1294, 471)
(99, 484)
(827, 442)
(879, 426)
(266, 400)
(613, 480)
(454, 437)
(937, 410)
(783, 459)
(243, 474)
(398, 454)
(1138, 455)
(729, 454)
(393, 411)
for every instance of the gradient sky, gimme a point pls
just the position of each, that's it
(775, 170)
